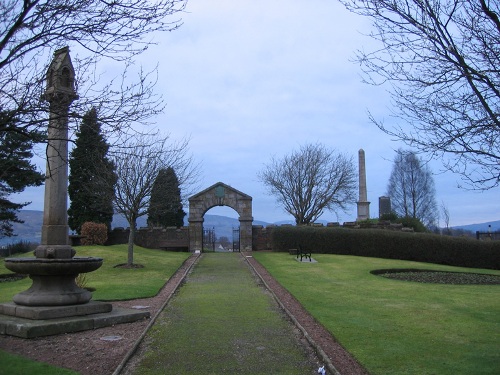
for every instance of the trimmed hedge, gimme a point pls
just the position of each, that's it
(420, 247)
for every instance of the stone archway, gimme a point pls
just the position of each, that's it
(220, 194)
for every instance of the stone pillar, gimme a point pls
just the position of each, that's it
(195, 235)
(60, 93)
(363, 204)
(246, 233)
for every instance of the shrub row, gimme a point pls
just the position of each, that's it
(421, 247)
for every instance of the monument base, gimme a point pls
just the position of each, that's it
(29, 322)
(363, 211)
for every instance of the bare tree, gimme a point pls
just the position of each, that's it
(311, 180)
(112, 31)
(442, 59)
(411, 189)
(446, 218)
(138, 166)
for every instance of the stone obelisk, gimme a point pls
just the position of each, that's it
(363, 204)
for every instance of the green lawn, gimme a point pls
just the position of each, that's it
(397, 327)
(116, 283)
(12, 364)
(392, 327)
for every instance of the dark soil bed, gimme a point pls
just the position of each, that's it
(7, 277)
(438, 277)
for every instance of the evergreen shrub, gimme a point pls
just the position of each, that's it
(412, 222)
(94, 233)
(378, 243)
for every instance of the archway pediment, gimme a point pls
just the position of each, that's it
(220, 194)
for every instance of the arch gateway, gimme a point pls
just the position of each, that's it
(220, 194)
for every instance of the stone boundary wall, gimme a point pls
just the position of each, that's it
(152, 238)
(262, 237)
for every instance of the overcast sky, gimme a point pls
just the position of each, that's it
(248, 80)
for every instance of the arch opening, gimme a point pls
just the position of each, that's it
(220, 224)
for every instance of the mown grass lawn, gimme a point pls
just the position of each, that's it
(113, 283)
(11, 364)
(397, 327)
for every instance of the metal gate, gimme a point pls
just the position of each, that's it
(208, 241)
(236, 239)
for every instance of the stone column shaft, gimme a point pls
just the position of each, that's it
(55, 220)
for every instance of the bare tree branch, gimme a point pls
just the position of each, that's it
(411, 189)
(113, 31)
(441, 59)
(310, 181)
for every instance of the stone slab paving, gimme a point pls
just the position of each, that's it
(306, 260)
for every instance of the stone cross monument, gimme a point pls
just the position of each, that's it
(54, 268)
(363, 204)
(60, 93)
(54, 303)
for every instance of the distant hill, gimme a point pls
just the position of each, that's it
(32, 227)
(30, 231)
(482, 227)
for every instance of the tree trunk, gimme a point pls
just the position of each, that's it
(131, 237)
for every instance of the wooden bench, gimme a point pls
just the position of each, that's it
(303, 254)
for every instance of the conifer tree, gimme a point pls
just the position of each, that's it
(165, 206)
(138, 167)
(92, 176)
(16, 171)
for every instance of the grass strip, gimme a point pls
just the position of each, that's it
(222, 322)
(12, 364)
(397, 327)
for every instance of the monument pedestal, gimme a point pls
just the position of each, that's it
(35, 321)
(363, 211)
